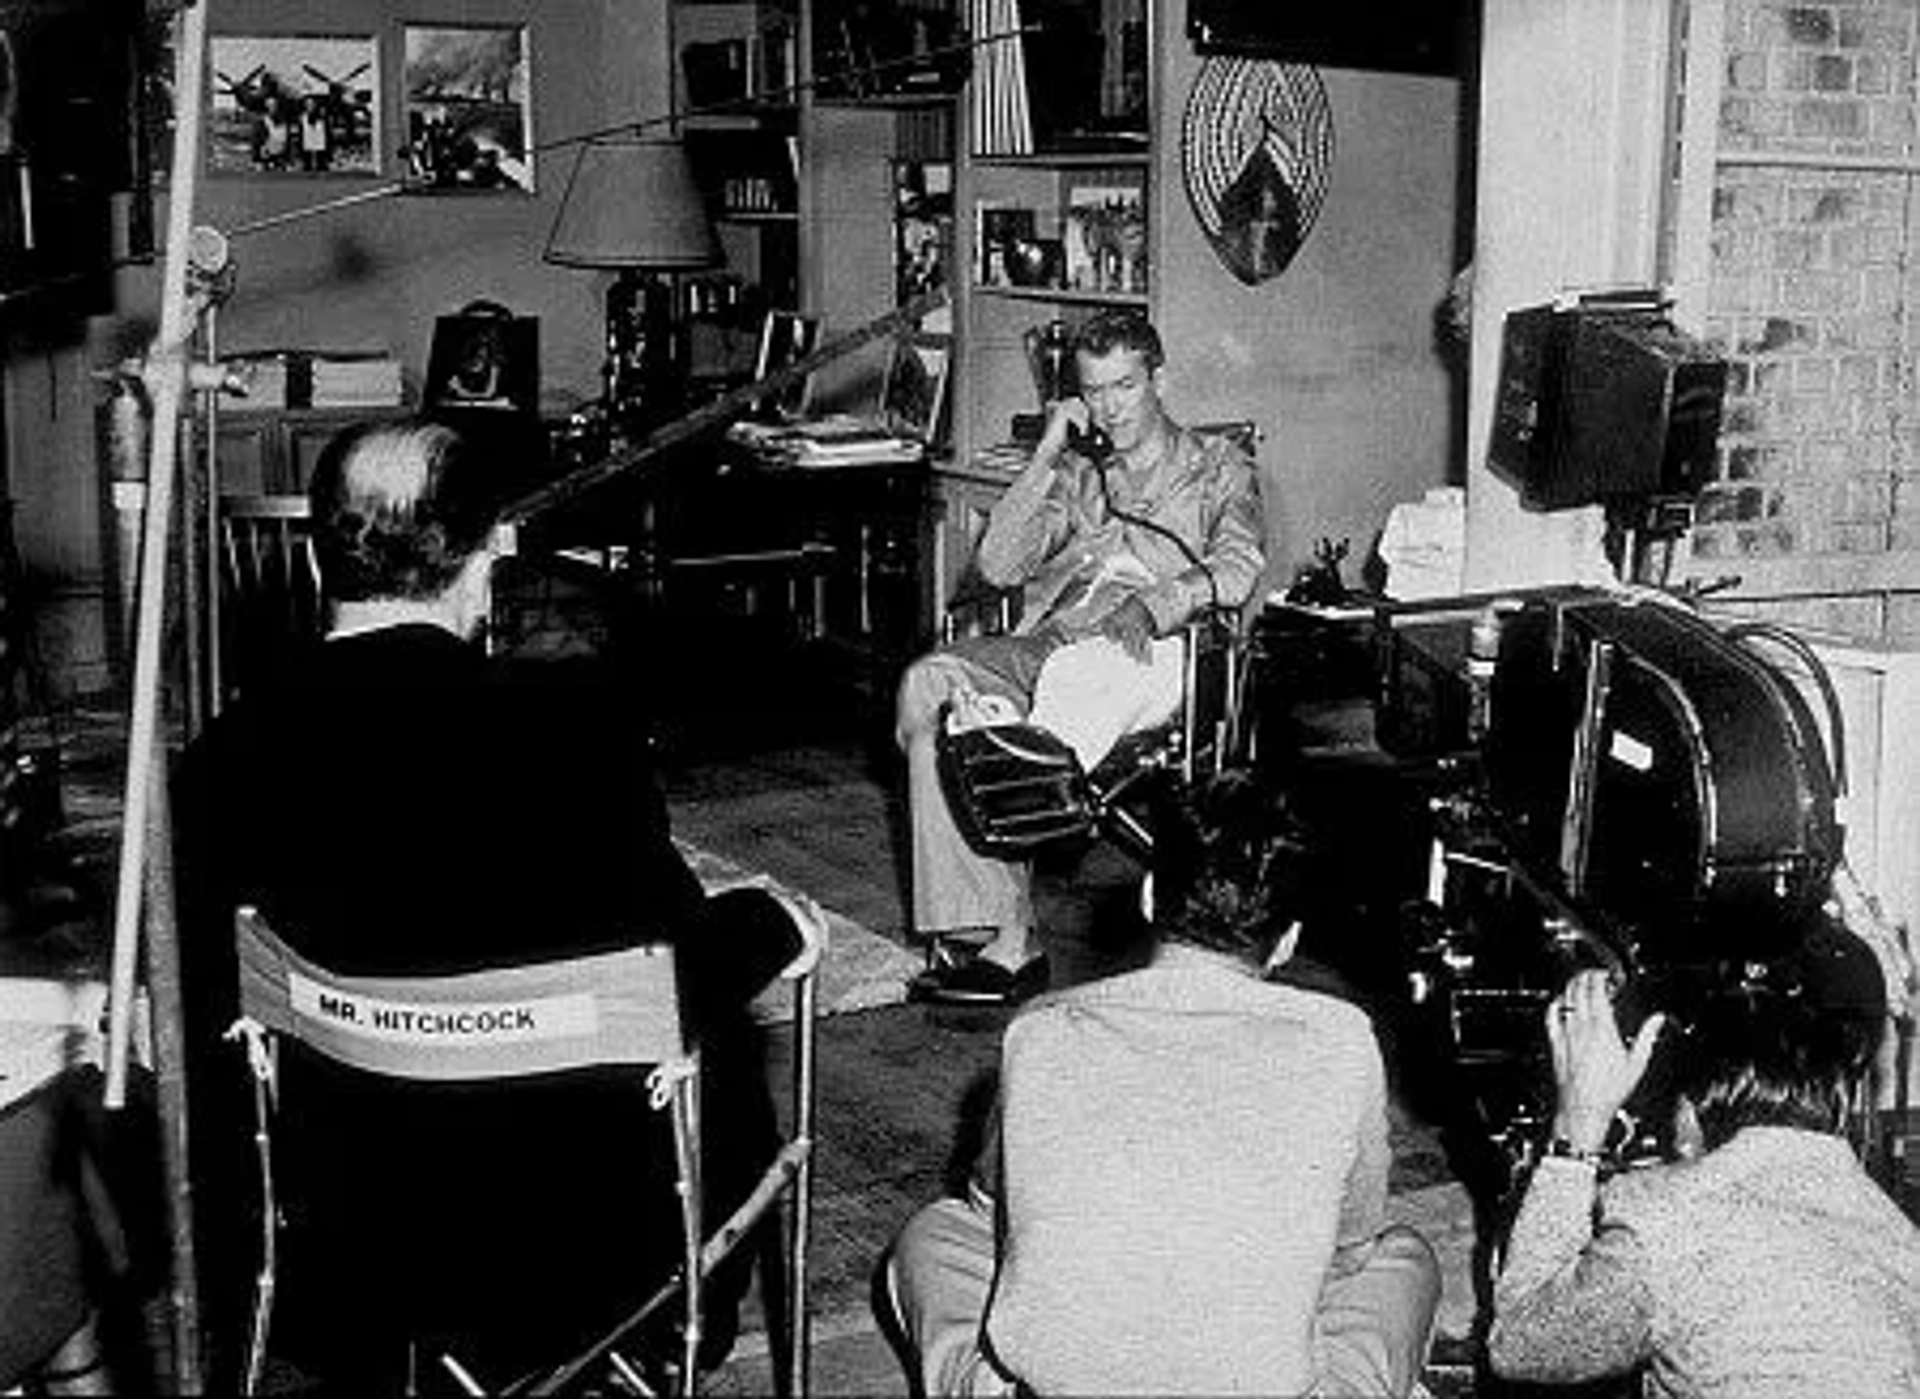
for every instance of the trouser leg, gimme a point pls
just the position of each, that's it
(1374, 1322)
(940, 1276)
(953, 887)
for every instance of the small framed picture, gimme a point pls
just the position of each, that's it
(466, 91)
(484, 356)
(786, 337)
(916, 386)
(922, 228)
(1104, 227)
(294, 104)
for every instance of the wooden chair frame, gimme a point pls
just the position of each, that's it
(266, 563)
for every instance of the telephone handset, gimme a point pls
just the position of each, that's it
(1090, 442)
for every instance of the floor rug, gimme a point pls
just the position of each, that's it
(861, 970)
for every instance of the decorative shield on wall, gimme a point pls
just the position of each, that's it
(1257, 146)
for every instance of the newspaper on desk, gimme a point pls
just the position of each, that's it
(837, 439)
(49, 1025)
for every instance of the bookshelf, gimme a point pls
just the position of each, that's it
(1055, 217)
(736, 64)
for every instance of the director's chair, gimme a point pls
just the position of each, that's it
(617, 1013)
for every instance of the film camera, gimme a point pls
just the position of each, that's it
(1649, 793)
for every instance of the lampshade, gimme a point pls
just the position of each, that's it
(633, 203)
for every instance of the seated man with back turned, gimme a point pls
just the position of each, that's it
(1764, 1262)
(1114, 550)
(1192, 1168)
(399, 804)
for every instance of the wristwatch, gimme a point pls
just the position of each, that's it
(1567, 1151)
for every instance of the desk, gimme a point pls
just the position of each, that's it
(711, 542)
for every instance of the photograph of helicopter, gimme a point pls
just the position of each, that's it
(294, 104)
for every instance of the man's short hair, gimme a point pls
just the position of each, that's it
(1789, 1051)
(1233, 868)
(1119, 328)
(397, 511)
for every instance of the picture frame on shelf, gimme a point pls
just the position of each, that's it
(1104, 232)
(913, 396)
(998, 225)
(466, 91)
(922, 228)
(294, 104)
(786, 337)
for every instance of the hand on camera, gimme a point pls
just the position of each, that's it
(1595, 1071)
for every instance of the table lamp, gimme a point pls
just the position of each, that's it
(632, 206)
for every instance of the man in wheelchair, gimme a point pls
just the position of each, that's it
(1123, 527)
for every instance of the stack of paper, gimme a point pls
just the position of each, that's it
(356, 381)
(839, 439)
(46, 1026)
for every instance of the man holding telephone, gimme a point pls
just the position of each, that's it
(1122, 526)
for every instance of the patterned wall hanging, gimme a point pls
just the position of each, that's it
(1257, 146)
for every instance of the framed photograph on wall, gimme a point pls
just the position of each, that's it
(466, 91)
(297, 104)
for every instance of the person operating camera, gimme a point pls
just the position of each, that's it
(1765, 1261)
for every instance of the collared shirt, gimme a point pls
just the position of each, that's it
(1053, 534)
(1772, 1266)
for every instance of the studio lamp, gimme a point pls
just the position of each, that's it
(632, 207)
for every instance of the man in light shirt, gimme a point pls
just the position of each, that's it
(1189, 1191)
(1122, 527)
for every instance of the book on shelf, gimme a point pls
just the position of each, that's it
(1000, 112)
(744, 171)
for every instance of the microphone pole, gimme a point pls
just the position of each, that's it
(146, 864)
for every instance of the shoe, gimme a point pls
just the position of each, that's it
(979, 982)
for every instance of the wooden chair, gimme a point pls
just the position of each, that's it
(615, 1013)
(269, 601)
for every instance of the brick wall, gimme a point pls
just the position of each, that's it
(1811, 298)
